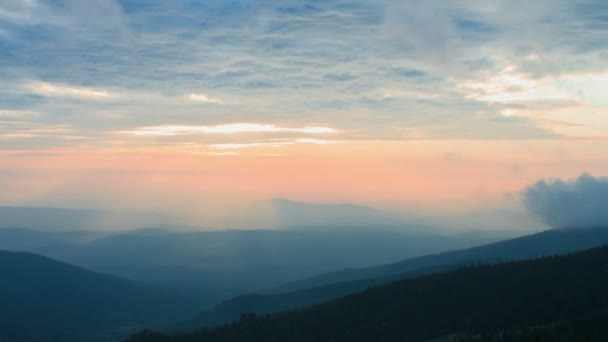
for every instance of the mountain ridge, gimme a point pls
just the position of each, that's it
(45, 299)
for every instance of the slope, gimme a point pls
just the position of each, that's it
(43, 299)
(556, 241)
(488, 300)
(335, 285)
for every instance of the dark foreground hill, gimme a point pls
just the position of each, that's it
(560, 298)
(45, 300)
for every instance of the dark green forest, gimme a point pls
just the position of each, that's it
(555, 298)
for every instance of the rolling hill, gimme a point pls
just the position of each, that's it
(46, 300)
(335, 285)
(216, 265)
(536, 298)
(550, 242)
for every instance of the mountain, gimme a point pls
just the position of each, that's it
(216, 265)
(488, 220)
(22, 239)
(558, 298)
(60, 219)
(47, 300)
(230, 310)
(334, 285)
(550, 242)
(284, 213)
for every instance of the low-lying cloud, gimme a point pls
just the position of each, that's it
(582, 202)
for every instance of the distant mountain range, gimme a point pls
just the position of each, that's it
(47, 300)
(273, 214)
(61, 219)
(553, 298)
(270, 214)
(22, 239)
(189, 272)
(281, 213)
(217, 265)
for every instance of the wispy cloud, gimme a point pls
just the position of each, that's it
(55, 89)
(279, 143)
(231, 146)
(16, 114)
(203, 98)
(17, 135)
(222, 153)
(226, 129)
(443, 69)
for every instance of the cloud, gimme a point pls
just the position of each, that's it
(221, 153)
(17, 135)
(232, 146)
(204, 99)
(371, 67)
(15, 114)
(315, 141)
(575, 203)
(279, 143)
(233, 128)
(54, 89)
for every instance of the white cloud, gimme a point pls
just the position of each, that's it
(509, 86)
(282, 143)
(65, 90)
(168, 130)
(231, 146)
(203, 98)
(315, 141)
(222, 153)
(361, 66)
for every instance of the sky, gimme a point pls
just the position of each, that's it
(407, 105)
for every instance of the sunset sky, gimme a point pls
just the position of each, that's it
(406, 105)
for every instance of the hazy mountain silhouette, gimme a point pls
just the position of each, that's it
(22, 239)
(536, 298)
(47, 300)
(61, 219)
(555, 241)
(289, 214)
(217, 265)
(281, 213)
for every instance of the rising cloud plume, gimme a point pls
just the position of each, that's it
(575, 203)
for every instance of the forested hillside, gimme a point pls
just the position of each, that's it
(529, 299)
(45, 300)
